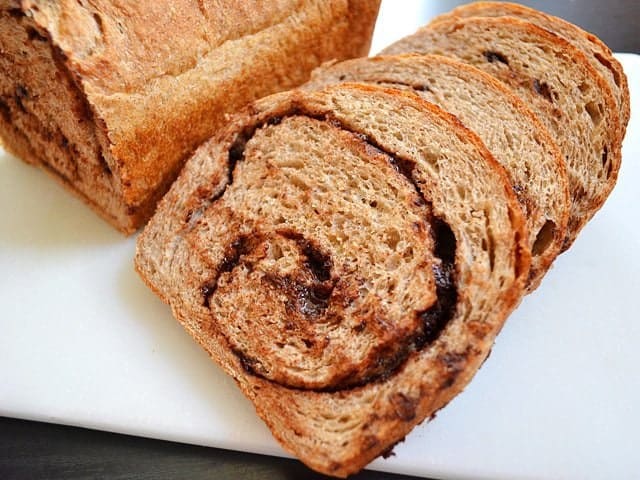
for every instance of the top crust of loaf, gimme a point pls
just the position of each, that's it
(338, 431)
(159, 76)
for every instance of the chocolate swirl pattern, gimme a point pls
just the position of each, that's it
(348, 256)
(318, 320)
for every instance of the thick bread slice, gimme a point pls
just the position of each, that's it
(511, 132)
(557, 81)
(348, 256)
(595, 49)
(112, 97)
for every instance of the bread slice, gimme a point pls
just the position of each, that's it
(112, 97)
(559, 84)
(596, 51)
(348, 256)
(511, 132)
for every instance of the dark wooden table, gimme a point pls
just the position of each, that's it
(31, 450)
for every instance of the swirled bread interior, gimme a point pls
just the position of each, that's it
(348, 256)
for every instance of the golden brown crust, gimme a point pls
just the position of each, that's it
(339, 432)
(159, 77)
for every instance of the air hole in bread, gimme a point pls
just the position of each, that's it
(544, 238)
(605, 155)
(493, 57)
(607, 64)
(20, 95)
(490, 241)
(595, 112)
(422, 88)
(318, 262)
(408, 253)
(35, 35)
(543, 89)
(584, 88)
(206, 291)
(606, 164)
(98, 19)
(392, 238)
(462, 192)
(104, 165)
(15, 12)
(5, 111)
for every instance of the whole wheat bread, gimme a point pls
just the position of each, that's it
(557, 81)
(348, 256)
(511, 132)
(112, 97)
(595, 49)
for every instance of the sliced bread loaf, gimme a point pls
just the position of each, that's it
(348, 256)
(559, 84)
(508, 128)
(595, 50)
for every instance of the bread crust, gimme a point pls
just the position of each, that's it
(385, 410)
(160, 77)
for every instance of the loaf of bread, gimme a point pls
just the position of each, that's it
(511, 132)
(348, 252)
(560, 84)
(112, 97)
(348, 256)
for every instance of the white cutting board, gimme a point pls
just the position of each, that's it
(84, 342)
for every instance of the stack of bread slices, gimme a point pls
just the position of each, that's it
(348, 251)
